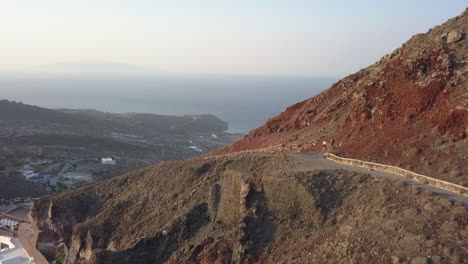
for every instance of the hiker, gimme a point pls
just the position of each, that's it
(332, 142)
(324, 144)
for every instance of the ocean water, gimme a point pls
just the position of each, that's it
(244, 102)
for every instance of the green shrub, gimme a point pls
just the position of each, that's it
(171, 196)
(413, 152)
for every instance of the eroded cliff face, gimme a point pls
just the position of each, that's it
(410, 109)
(250, 209)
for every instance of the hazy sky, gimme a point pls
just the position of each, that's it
(260, 37)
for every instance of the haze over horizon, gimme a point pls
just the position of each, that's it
(243, 62)
(269, 38)
(233, 132)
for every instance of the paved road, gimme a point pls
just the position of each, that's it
(22, 211)
(316, 160)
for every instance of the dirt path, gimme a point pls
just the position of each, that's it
(316, 160)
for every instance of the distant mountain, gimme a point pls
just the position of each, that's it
(94, 122)
(409, 109)
(87, 68)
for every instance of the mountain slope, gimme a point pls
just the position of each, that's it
(269, 208)
(15, 185)
(249, 210)
(410, 109)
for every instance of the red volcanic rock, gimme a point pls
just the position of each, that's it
(414, 98)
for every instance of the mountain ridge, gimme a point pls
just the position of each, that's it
(412, 105)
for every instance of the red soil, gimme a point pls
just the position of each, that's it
(410, 109)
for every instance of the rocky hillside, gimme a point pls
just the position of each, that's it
(250, 210)
(14, 185)
(62, 148)
(409, 109)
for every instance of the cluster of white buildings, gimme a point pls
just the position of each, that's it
(11, 250)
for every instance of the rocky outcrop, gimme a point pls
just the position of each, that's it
(249, 209)
(454, 36)
(159, 248)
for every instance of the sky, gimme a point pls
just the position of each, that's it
(241, 37)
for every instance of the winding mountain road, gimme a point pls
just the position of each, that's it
(316, 161)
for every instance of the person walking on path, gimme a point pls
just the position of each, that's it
(324, 144)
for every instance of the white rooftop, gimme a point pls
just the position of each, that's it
(8, 222)
(108, 161)
(16, 254)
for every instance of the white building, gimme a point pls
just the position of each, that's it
(107, 161)
(12, 231)
(8, 223)
(12, 252)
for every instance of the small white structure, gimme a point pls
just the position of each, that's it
(8, 223)
(6, 243)
(196, 148)
(107, 161)
(13, 252)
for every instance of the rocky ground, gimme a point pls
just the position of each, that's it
(410, 109)
(251, 209)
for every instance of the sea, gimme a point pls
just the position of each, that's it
(245, 102)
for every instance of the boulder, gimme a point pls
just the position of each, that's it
(454, 36)
(244, 191)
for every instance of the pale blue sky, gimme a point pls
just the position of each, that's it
(255, 37)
